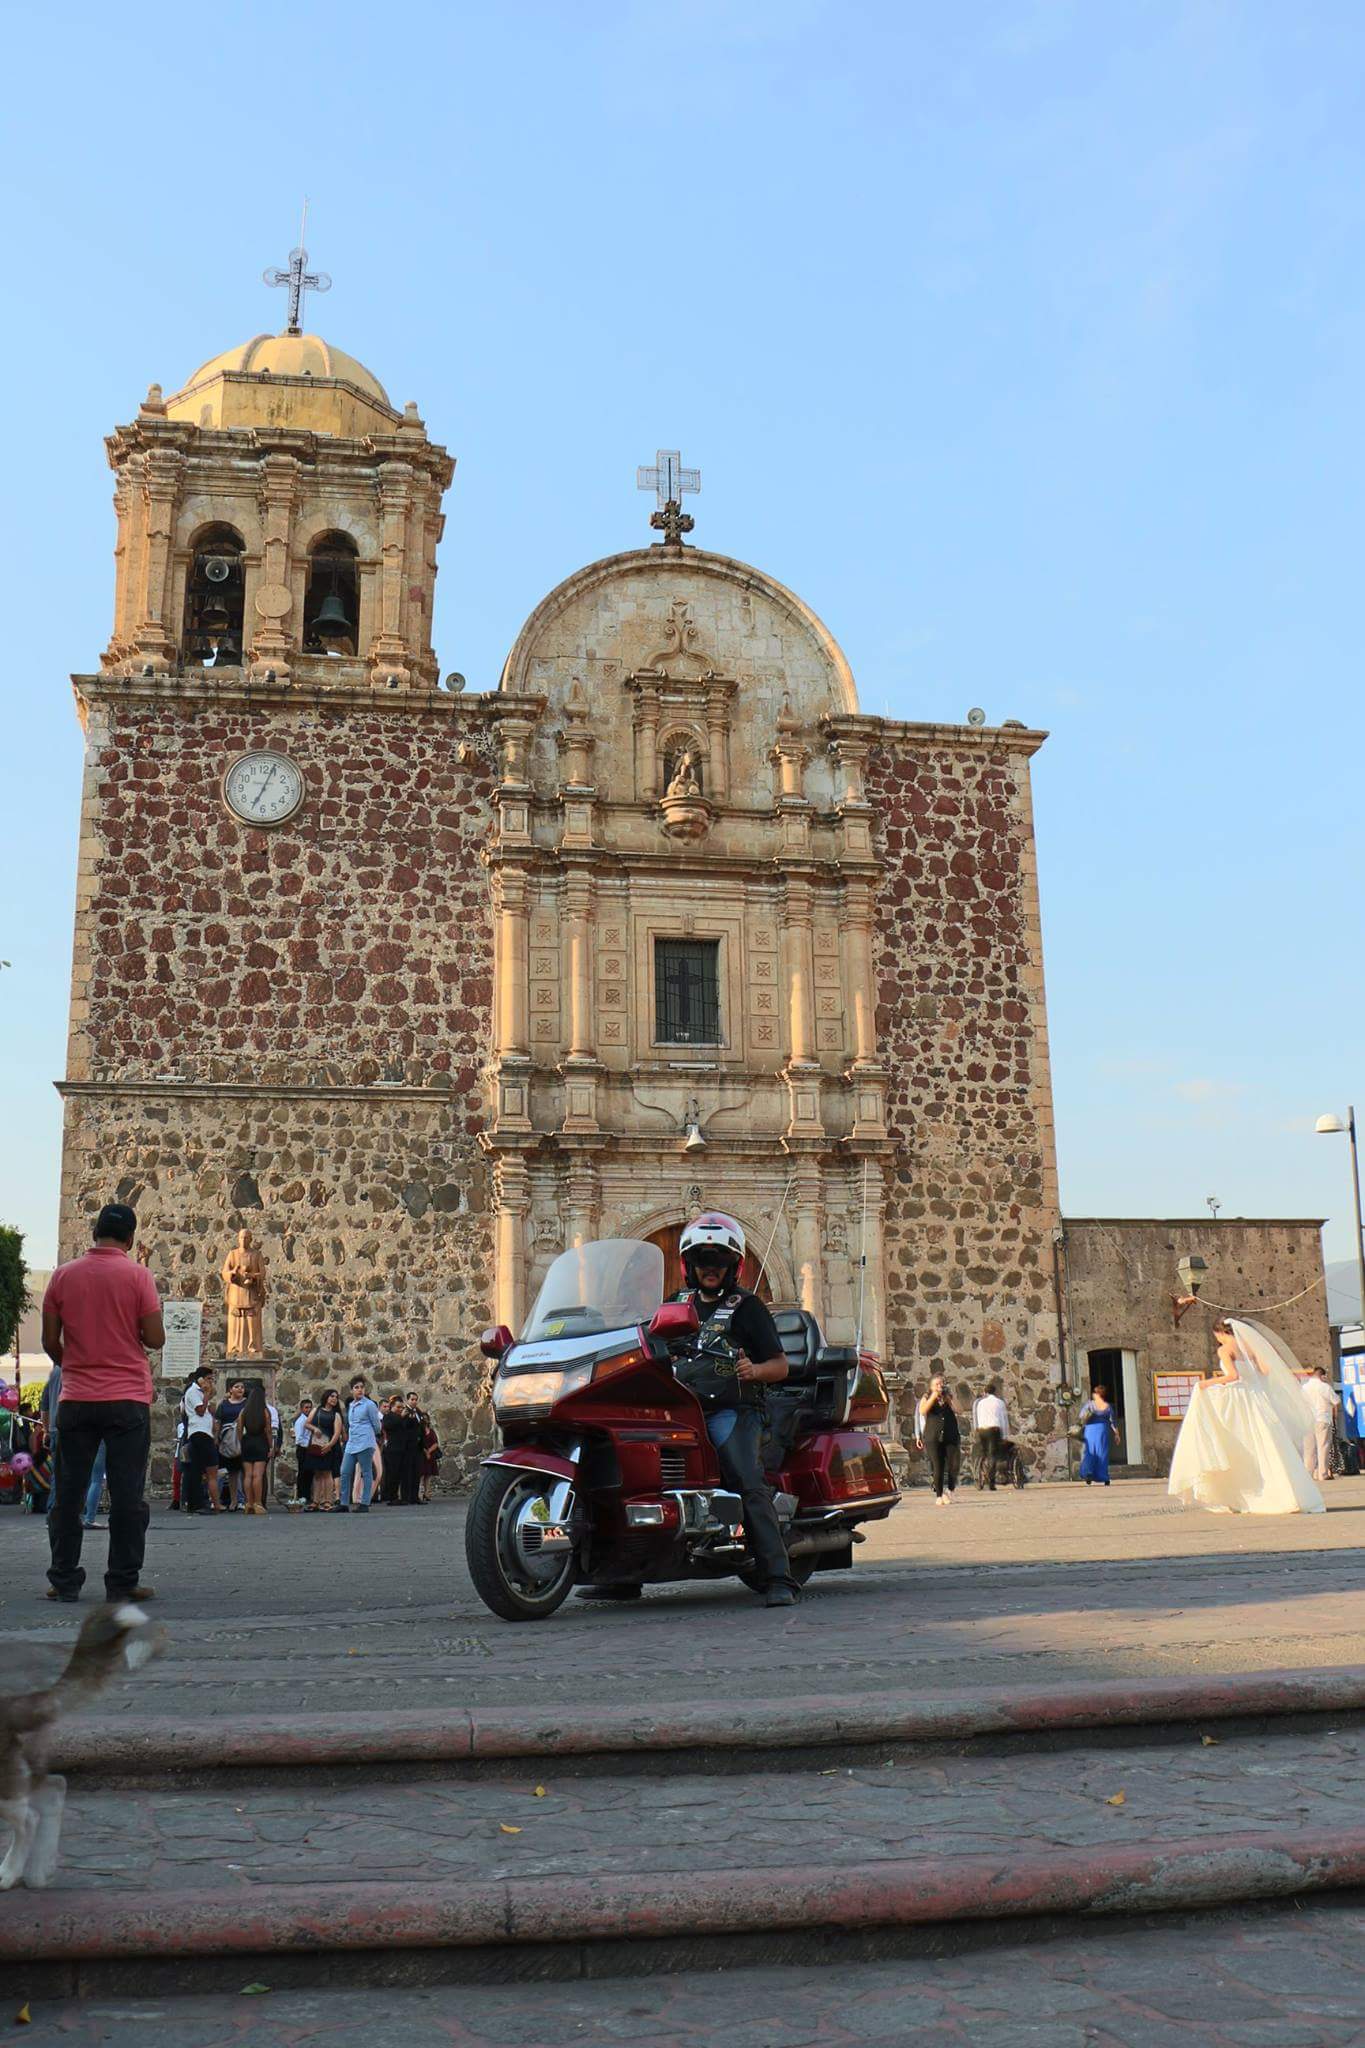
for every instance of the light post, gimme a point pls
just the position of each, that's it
(1330, 1126)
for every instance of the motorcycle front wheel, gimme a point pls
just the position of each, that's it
(510, 1573)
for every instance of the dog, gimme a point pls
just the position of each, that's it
(32, 1797)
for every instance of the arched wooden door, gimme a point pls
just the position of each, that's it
(751, 1274)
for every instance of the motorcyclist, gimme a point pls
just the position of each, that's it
(712, 1248)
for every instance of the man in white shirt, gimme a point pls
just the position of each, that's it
(201, 1444)
(991, 1421)
(303, 1483)
(1318, 1443)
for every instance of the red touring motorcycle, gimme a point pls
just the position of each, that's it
(607, 1476)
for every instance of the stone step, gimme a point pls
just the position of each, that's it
(524, 1873)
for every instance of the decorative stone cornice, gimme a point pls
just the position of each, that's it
(237, 690)
(915, 737)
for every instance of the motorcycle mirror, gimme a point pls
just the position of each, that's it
(674, 1321)
(494, 1342)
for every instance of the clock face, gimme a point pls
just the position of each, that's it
(263, 789)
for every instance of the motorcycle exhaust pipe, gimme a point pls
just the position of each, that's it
(819, 1540)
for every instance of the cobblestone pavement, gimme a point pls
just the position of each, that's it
(1256, 1978)
(1193, 1788)
(294, 1613)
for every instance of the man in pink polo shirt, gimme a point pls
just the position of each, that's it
(101, 1316)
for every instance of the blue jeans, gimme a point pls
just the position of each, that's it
(365, 1460)
(92, 1499)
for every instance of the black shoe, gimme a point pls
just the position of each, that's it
(53, 1593)
(780, 1594)
(610, 1592)
(341, 1511)
(362, 1511)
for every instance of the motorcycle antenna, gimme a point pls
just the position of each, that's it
(772, 1234)
(862, 1260)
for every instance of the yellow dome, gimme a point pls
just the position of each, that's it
(292, 355)
(279, 379)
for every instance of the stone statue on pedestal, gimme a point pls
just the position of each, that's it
(244, 1290)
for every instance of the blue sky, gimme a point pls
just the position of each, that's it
(1024, 339)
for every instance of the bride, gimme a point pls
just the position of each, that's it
(1239, 1448)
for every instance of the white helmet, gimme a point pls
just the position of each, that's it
(723, 1232)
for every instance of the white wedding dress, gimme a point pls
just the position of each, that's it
(1240, 1445)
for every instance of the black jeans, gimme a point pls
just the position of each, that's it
(741, 1468)
(125, 1430)
(945, 1458)
(993, 1451)
(202, 1471)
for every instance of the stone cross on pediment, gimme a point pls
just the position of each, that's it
(668, 480)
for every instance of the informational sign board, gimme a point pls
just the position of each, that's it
(1171, 1393)
(184, 1333)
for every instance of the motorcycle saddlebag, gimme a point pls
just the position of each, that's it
(839, 1468)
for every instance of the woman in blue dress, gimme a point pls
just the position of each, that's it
(1098, 1432)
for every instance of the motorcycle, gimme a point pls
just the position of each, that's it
(606, 1475)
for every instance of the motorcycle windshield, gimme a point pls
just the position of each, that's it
(611, 1284)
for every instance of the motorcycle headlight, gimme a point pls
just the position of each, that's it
(521, 1395)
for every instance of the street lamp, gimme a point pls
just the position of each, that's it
(1331, 1126)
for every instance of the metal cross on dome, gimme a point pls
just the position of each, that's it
(298, 278)
(668, 480)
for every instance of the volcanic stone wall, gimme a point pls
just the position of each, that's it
(971, 1186)
(287, 1029)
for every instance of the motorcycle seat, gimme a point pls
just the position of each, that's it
(801, 1343)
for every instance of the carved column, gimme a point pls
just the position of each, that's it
(512, 1196)
(577, 928)
(511, 967)
(802, 1071)
(859, 978)
(273, 600)
(389, 665)
(789, 754)
(718, 693)
(646, 737)
(806, 1238)
(160, 490)
(582, 1202)
(798, 962)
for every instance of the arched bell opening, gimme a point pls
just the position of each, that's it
(331, 603)
(214, 594)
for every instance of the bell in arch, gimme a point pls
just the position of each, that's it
(331, 622)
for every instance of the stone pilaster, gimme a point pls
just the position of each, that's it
(154, 641)
(389, 656)
(511, 1207)
(274, 641)
(802, 1072)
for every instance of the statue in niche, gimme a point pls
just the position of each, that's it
(684, 780)
(244, 1292)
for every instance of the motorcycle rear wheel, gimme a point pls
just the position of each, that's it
(503, 1579)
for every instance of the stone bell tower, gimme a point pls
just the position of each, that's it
(282, 951)
(279, 516)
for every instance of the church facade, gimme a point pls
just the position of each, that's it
(423, 985)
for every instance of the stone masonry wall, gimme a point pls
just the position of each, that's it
(971, 1199)
(289, 1029)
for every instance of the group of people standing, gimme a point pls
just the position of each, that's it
(938, 1433)
(368, 1449)
(342, 1453)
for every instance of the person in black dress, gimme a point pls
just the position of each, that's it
(939, 1435)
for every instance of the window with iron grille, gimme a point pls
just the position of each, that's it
(687, 991)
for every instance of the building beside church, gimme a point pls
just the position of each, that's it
(423, 985)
